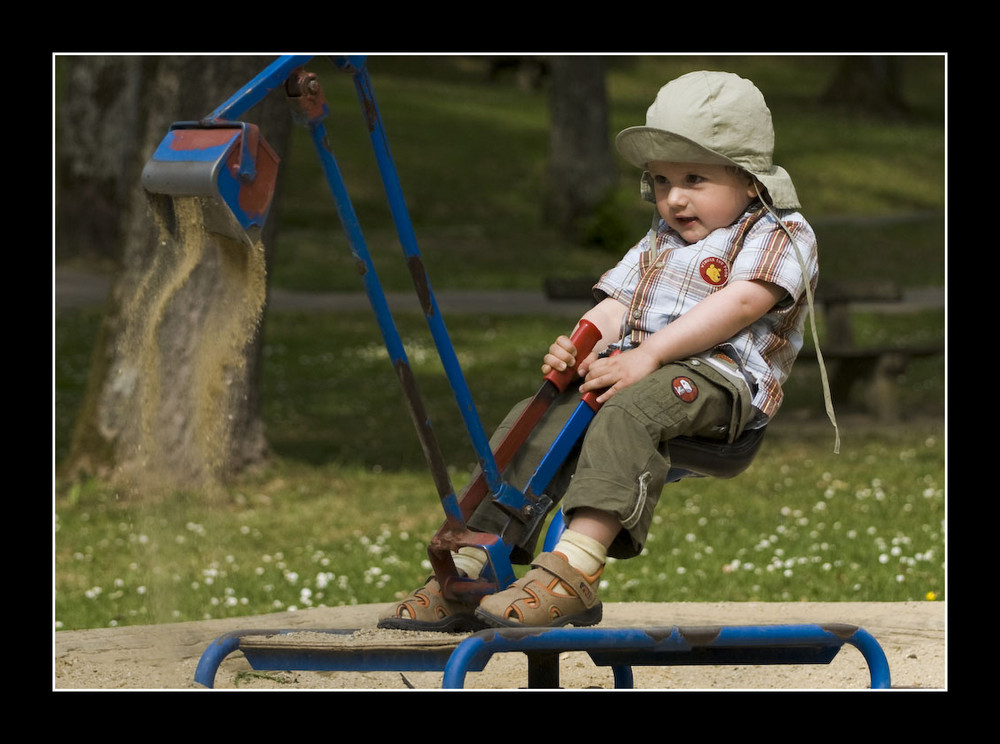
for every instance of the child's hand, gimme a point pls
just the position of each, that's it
(617, 372)
(561, 356)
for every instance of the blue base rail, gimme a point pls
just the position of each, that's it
(621, 649)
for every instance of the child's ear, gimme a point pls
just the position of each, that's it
(757, 190)
(646, 187)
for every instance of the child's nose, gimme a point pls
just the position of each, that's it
(675, 197)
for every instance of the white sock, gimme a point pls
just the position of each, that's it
(583, 553)
(470, 559)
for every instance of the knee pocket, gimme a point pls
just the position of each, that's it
(640, 499)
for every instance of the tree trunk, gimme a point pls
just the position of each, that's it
(581, 168)
(96, 132)
(868, 85)
(172, 397)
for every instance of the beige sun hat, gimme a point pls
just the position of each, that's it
(715, 118)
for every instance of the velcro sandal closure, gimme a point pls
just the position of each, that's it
(551, 594)
(559, 567)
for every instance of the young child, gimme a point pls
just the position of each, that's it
(707, 312)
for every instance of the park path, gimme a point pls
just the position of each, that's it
(74, 288)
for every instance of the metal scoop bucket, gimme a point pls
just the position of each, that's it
(228, 166)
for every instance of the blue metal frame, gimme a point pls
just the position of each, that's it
(404, 227)
(621, 649)
(340, 658)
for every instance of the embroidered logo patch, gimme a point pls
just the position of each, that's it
(714, 271)
(685, 389)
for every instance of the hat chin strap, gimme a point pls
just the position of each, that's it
(827, 397)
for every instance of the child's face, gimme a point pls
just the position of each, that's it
(695, 199)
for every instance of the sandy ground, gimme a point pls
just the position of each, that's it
(164, 657)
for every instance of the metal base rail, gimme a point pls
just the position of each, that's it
(618, 648)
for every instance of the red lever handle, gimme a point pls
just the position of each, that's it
(584, 338)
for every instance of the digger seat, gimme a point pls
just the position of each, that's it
(694, 456)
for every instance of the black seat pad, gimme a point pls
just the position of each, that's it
(715, 458)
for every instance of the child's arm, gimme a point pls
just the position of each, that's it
(607, 316)
(712, 321)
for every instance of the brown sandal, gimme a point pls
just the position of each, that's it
(532, 601)
(428, 610)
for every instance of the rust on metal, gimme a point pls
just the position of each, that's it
(660, 634)
(305, 95)
(368, 106)
(700, 635)
(255, 198)
(201, 139)
(841, 630)
(439, 470)
(421, 283)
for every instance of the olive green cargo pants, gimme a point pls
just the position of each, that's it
(622, 463)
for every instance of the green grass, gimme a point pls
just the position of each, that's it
(342, 513)
(801, 524)
(805, 525)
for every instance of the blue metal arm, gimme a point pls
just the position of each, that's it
(257, 89)
(275, 75)
(404, 227)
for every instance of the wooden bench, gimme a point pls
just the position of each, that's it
(878, 367)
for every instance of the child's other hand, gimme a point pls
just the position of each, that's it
(611, 374)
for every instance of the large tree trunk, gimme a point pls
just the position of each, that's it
(872, 86)
(172, 397)
(581, 167)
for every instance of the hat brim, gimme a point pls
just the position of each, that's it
(643, 145)
(780, 188)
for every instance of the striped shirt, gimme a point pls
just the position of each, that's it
(662, 277)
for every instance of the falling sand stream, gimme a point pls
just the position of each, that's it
(191, 421)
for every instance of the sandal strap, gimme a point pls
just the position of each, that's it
(559, 567)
